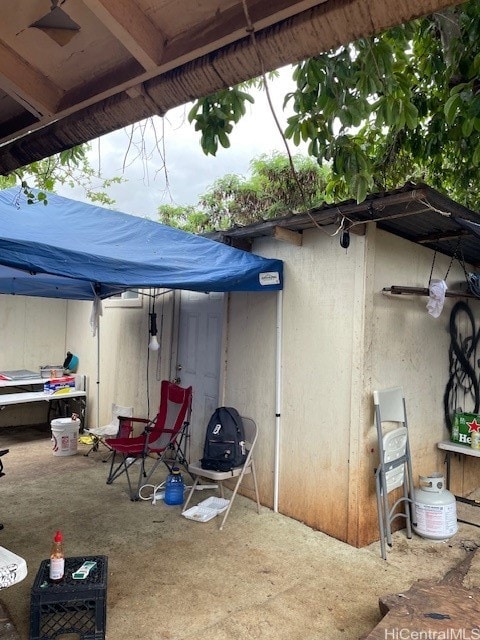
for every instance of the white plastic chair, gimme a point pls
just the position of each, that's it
(248, 468)
(109, 430)
(395, 466)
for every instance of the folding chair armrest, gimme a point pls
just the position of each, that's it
(130, 419)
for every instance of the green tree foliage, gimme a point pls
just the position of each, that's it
(70, 167)
(184, 217)
(215, 115)
(402, 105)
(271, 190)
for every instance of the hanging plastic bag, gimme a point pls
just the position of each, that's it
(436, 300)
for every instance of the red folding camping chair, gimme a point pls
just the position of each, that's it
(163, 438)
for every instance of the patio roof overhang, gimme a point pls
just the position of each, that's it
(118, 62)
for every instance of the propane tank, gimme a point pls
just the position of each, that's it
(435, 508)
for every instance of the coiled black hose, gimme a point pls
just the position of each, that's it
(462, 377)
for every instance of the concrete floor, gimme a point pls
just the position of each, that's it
(263, 577)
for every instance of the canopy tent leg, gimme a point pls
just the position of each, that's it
(98, 373)
(278, 396)
(97, 311)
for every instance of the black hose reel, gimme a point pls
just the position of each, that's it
(463, 383)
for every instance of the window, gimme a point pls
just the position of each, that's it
(125, 299)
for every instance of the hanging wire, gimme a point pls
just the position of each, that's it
(454, 255)
(431, 270)
(151, 309)
(160, 339)
(152, 296)
(251, 31)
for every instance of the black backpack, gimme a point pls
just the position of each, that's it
(224, 446)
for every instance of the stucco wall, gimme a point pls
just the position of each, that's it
(320, 313)
(125, 361)
(407, 347)
(342, 338)
(249, 374)
(32, 335)
(39, 331)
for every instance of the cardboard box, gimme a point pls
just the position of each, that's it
(463, 425)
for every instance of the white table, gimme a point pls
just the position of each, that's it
(7, 399)
(13, 568)
(23, 397)
(23, 382)
(464, 450)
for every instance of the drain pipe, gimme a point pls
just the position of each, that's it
(278, 396)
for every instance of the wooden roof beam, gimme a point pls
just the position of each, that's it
(230, 24)
(358, 229)
(285, 235)
(102, 87)
(397, 290)
(439, 237)
(35, 92)
(132, 28)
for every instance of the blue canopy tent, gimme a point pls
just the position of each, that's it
(68, 249)
(90, 252)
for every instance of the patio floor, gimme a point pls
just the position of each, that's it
(264, 576)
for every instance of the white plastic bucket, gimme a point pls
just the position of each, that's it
(65, 436)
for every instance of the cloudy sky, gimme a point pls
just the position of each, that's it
(170, 167)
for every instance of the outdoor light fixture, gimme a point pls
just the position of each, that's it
(345, 239)
(57, 24)
(153, 345)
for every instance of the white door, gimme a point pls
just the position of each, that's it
(199, 357)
